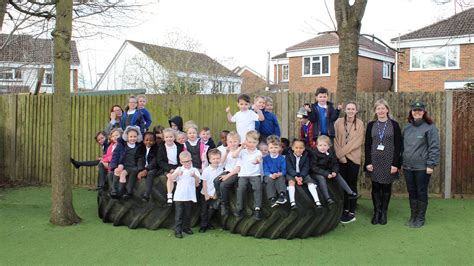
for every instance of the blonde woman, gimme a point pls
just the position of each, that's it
(383, 142)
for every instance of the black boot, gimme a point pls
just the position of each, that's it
(113, 189)
(414, 210)
(420, 217)
(75, 163)
(385, 202)
(377, 201)
(121, 189)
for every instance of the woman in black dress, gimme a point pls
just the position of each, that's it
(383, 142)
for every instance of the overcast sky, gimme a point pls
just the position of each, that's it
(241, 32)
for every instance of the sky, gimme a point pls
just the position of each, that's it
(239, 33)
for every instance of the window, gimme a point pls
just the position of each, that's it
(285, 73)
(434, 57)
(386, 67)
(10, 74)
(316, 66)
(48, 78)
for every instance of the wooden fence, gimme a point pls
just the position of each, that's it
(25, 128)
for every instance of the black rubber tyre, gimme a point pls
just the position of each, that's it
(277, 222)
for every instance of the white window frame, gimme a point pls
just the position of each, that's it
(386, 73)
(311, 66)
(14, 72)
(46, 73)
(446, 62)
(287, 72)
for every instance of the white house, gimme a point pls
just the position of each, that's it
(155, 68)
(21, 59)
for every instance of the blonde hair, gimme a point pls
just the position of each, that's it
(142, 96)
(380, 102)
(184, 155)
(252, 134)
(233, 135)
(190, 124)
(169, 130)
(258, 97)
(119, 130)
(324, 138)
(273, 140)
(268, 100)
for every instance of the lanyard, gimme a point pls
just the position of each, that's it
(381, 134)
(348, 132)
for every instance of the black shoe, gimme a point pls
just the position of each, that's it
(281, 198)
(126, 196)
(330, 201)
(145, 197)
(210, 227)
(273, 202)
(353, 196)
(293, 206)
(202, 229)
(238, 213)
(74, 162)
(258, 214)
(188, 231)
(178, 234)
(224, 210)
(347, 218)
(420, 217)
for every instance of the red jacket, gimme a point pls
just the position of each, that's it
(309, 137)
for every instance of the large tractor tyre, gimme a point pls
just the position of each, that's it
(277, 222)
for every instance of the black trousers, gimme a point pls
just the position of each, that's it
(417, 184)
(102, 176)
(208, 207)
(350, 171)
(223, 187)
(88, 163)
(131, 178)
(149, 181)
(182, 215)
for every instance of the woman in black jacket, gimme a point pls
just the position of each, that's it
(383, 143)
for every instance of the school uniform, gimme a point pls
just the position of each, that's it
(127, 155)
(196, 151)
(184, 196)
(268, 127)
(147, 118)
(273, 165)
(249, 173)
(222, 187)
(150, 164)
(244, 122)
(209, 174)
(167, 158)
(323, 119)
(300, 166)
(133, 119)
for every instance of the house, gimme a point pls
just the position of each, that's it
(437, 57)
(160, 69)
(314, 62)
(252, 81)
(24, 58)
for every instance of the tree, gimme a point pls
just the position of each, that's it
(62, 209)
(348, 18)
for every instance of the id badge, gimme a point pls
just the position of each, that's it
(380, 147)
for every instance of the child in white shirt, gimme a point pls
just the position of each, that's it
(187, 179)
(245, 118)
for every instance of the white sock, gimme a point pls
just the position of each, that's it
(312, 190)
(170, 195)
(291, 193)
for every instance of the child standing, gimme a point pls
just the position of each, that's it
(229, 177)
(251, 158)
(322, 114)
(148, 152)
(125, 163)
(297, 172)
(210, 204)
(133, 116)
(324, 165)
(142, 100)
(269, 126)
(274, 171)
(306, 129)
(193, 144)
(245, 118)
(168, 160)
(206, 144)
(187, 179)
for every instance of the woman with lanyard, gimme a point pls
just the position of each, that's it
(420, 156)
(116, 113)
(383, 142)
(349, 132)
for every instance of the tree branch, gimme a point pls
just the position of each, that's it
(43, 14)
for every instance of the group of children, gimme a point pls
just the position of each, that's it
(193, 164)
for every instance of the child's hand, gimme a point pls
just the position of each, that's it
(223, 177)
(179, 172)
(299, 180)
(113, 116)
(206, 197)
(340, 106)
(370, 167)
(393, 170)
(274, 176)
(329, 176)
(172, 171)
(333, 174)
(227, 110)
(307, 107)
(258, 160)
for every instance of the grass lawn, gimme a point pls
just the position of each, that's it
(27, 237)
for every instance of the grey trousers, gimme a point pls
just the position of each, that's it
(274, 186)
(223, 187)
(256, 184)
(324, 186)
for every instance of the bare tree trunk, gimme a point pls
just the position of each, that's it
(62, 209)
(348, 29)
(3, 10)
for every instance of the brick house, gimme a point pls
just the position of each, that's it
(437, 57)
(22, 60)
(252, 81)
(313, 63)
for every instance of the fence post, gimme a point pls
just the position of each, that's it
(448, 144)
(284, 115)
(11, 129)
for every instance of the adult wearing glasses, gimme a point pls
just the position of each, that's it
(420, 156)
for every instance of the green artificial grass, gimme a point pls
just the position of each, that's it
(27, 237)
